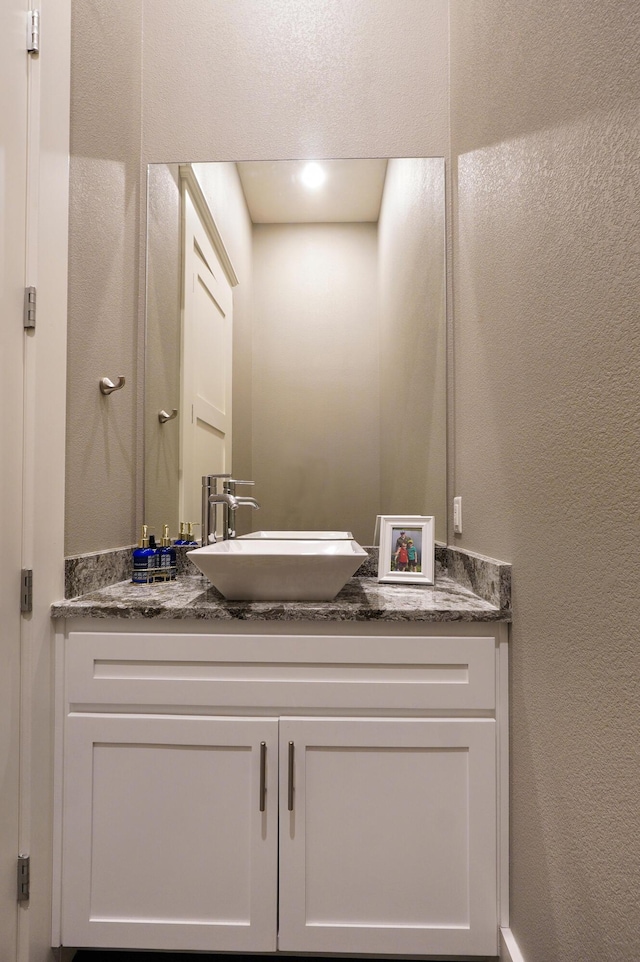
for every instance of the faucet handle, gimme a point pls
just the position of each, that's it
(230, 485)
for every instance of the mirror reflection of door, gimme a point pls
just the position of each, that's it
(207, 331)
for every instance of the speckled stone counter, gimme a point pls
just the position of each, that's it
(362, 599)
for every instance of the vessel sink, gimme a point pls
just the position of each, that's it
(264, 569)
(298, 535)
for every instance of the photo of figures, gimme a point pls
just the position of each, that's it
(407, 549)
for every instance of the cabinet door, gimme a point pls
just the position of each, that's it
(164, 842)
(390, 846)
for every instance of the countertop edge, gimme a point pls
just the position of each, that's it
(361, 600)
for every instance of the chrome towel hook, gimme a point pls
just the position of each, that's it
(108, 387)
(163, 416)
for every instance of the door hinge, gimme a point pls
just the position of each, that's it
(26, 591)
(24, 880)
(33, 32)
(29, 317)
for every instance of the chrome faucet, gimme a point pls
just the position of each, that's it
(239, 502)
(250, 501)
(229, 501)
(209, 489)
(229, 504)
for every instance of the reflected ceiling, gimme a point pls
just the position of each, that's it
(275, 192)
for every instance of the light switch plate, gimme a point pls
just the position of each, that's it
(457, 515)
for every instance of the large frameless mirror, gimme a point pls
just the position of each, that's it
(296, 337)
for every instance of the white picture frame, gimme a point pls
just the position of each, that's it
(407, 549)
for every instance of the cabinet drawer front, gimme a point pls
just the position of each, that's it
(286, 672)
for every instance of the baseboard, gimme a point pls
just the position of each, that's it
(509, 951)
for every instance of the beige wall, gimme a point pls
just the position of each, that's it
(104, 246)
(546, 141)
(316, 408)
(241, 80)
(247, 80)
(162, 348)
(413, 455)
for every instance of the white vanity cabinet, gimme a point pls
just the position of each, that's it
(322, 788)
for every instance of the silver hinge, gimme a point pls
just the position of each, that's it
(24, 881)
(29, 317)
(26, 591)
(33, 32)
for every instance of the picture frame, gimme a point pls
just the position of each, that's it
(407, 549)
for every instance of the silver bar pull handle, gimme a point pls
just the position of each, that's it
(290, 792)
(263, 775)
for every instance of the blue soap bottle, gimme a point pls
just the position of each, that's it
(190, 538)
(167, 556)
(144, 561)
(180, 540)
(156, 558)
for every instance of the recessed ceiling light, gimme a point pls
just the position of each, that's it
(313, 175)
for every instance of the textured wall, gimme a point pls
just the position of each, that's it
(249, 80)
(316, 415)
(162, 348)
(104, 237)
(412, 341)
(223, 80)
(546, 138)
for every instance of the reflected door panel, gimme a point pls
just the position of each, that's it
(207, 330)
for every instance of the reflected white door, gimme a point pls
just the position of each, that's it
(206, 371)
(390, 843)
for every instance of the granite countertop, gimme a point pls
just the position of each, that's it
(361, 599)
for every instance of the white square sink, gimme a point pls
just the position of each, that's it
(301, 535)
(263, 569)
